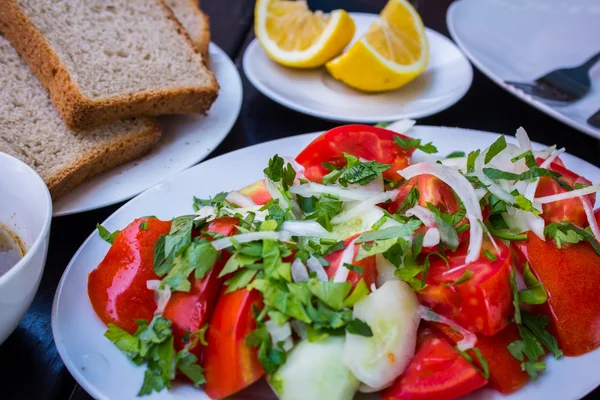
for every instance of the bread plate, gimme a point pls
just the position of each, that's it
(105, 373)
(186, 140)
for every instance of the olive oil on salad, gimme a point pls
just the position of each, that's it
(11, 249)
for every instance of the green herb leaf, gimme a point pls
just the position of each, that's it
(495, 148)
(515, 291)
(144, 225)
(448, 233)
(465, 277)
(217, 201)
(199, 256)
(411, 143)
(240, 280)
(382, 124)
(360, 291)
(362, 172)
(471, 160)
(358, 327)
(567, 232)
(402, 230)
(355, 268)
(532, 173)
(179, 236)
(331, 293)
(106, 235)
(537, 324)
(535, 292)
(371, 249)
(482, 362)
(456, 154)
(489, 255)
(410, 199)
(187, 363)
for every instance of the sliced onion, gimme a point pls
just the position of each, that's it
(299, 272)
(316, 189)
(589, 212)
(224, 243)
(523, 139)
(431, 238)
(424, 214)
(341, 275)
(297, 167)
(239, 199)
(304, 228)
(279, 333)
(462, 187)
(520, 221)
(495, 189)
(544, 153)
(161, 296)
(364, 206)
(208, 212)
(244, 211)
(315, 266)
(385, 270)
(401, 126)
(568, 195)
(459, 163)
(375, 186)
(469, 339)
(480, 193)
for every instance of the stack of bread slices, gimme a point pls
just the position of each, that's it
(81, 79)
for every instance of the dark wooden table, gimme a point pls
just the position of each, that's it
(31, 367)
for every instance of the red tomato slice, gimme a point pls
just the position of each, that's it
(190, 311)
(230, 365)
(437, 371)
(571, 276)
(431, 190)
(481, 304)
(363, 141)
(369, 273)
(257, 192)
(563, 210)
(117, 287)
(506, 374)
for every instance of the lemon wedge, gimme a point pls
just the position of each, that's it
(294, 36)
(392, 53)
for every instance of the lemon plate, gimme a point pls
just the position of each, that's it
(315, 92)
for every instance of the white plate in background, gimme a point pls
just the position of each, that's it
(314, 92)
(186, 140)
(105, 373)
(517, 40)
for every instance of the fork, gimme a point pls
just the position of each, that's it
(563, 85)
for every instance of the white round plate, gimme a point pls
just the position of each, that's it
(186, 140)
(314, 92)
(516, 40)
(104, 372)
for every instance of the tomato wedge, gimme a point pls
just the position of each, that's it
(437, 371)
(190, 311)
(431, 190)
(117, 287)
(368, 266)
(363, 141)
(230, 365)
(571, 276)
(482, 303)
(506, 374)
(563, 210)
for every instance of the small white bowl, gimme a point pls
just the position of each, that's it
(26, 210)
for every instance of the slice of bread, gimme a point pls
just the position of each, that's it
(194, 21)
(32, 130)
(105, 60)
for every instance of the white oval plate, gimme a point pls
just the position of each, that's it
(314, 92)
(104, 372)
(516, 40)
(186, 140)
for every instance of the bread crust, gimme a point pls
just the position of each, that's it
(103, 159)
(78, 111)
(203, 40)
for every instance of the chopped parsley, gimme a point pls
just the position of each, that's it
(495, 149)
(412, 143)
(106, 235)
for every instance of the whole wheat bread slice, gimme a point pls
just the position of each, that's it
(105, 60)
(32, 130)
(195, 22)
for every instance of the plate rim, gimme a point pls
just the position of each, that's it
(375, 119)
(530, 100)
(226, 130)
(57, 335)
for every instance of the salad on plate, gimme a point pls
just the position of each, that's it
(351, 268)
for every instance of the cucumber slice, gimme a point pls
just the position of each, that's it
(315, 371)
(392, 314)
